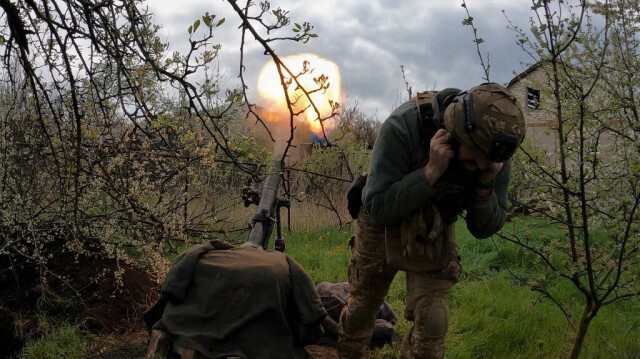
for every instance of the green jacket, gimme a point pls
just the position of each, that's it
(227, 301)
(396, 184)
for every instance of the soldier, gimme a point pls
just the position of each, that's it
(334, 297)
(436, 156)
(219, 301)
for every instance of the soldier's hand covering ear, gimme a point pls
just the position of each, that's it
(490, 173)
(441, 152)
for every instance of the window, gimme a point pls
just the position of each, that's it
(593, 145)
(533, 98)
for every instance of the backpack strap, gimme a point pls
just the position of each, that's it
(424, 106)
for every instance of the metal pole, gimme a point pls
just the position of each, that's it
(263, 221)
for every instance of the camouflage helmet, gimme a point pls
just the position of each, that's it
(487, 119)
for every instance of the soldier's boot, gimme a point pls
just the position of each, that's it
(188, 353)
(159, 345)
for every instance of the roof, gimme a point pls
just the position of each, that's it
(524, 74)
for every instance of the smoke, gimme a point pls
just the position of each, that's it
(279, 130)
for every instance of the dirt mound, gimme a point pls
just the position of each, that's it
(105, 295)
(109, 303)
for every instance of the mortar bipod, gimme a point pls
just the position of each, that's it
(279, 241)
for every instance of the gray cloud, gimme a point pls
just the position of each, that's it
(370, 40)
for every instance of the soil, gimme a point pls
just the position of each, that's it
(75, 289)
(133, 346)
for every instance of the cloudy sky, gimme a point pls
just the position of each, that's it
(370, 40)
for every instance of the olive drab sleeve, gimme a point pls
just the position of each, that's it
(396, 185)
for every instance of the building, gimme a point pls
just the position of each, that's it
(532, 88)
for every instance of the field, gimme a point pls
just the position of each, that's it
(492, 315)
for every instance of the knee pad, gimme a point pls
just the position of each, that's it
(432, 319)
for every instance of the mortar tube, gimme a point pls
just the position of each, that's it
(264, 219)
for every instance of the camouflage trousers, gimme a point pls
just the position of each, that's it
(369, 279)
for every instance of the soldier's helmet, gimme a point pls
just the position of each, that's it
(487, 119)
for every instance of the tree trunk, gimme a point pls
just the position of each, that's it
(578, 341)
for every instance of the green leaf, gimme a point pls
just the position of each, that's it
(298, 26)
(220, 22)
(196, 25)
(190, 29)
(207, 20)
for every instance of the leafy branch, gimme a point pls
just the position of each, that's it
(477, 40)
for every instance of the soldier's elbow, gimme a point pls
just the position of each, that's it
(486, 232)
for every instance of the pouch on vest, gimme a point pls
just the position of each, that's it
(421, 242)
(354, 196)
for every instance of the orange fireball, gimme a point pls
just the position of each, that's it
(316, 69)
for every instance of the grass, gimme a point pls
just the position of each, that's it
(492, 315)
(64, 341)
(322, 253)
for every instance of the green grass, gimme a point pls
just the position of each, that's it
(496, 319)
(65, 341)
(492, 315)
(323, 253)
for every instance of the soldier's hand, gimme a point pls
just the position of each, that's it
(485, 178)
(441, 153)
(490, 173)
